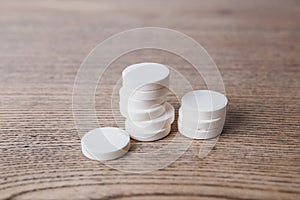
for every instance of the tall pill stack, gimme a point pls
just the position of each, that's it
(202, 114)
(143, 101)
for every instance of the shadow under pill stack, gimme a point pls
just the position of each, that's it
(143, 101)
(202, 114)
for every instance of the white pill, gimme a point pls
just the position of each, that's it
(131, 67)
(143, 95)
(86, 153)
(195, 114)
(200, 124)
(123, 110)
(148, 137)
(143, 132)
(140, 104)
(132, 130)
(158, 123)
(203, 104)
(142, 114)
(198, 134)
(134, 66)
(146, 76)
(105, 143)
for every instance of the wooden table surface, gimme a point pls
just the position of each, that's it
(256, 45)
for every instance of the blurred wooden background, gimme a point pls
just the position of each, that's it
(256, 45)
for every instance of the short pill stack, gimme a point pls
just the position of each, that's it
(143, 101)
(202, 114)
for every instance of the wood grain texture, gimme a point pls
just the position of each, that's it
(256, 45)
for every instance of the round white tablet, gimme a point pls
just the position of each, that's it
(197, 134)
(105, 143)
(158, 123)
(143, 95)
(200, 124)
(203, 104)
(146, 76)
(142, 114)
(195, 114)
(143, 132)
(141, 104)
(131, 67)
(123, 109)
(134, 66)
(86, 153)
(151, 137)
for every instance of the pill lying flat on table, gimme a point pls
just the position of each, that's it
(146, 76)
(105, 143)
(86, 153)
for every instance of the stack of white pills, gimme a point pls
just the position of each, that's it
(143, 101)
(149, 117)
(202, 114)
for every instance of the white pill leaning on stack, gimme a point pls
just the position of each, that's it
(142, 114)
(155, 124)
(143, 95)
(141, 104)
(146, 76)
(105, 143)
